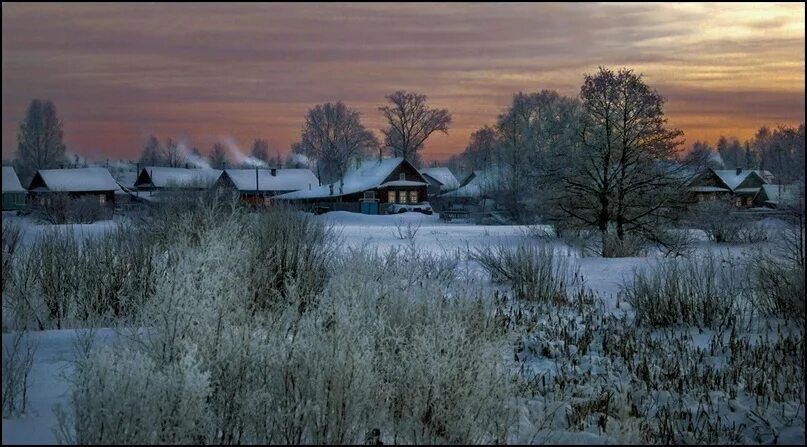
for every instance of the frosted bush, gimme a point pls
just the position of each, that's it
(534, 272)
(18, 358)
(700, 291)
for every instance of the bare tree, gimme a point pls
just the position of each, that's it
(332, 137)
(702, 156)
(623, 178)
(172, 155)
(411, 122)
(39, 141)
(152, 153)
(218, 156)
(260, 150)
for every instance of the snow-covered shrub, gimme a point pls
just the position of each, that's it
(83, 210)
(723, 223)
(629, 246)
(287, 245)
(124, 396)
(676, 242)
(59, 257)
(699, 291)
(12, 235)
(23, 307)
(18, 358)
(778, 287)
(533, 271)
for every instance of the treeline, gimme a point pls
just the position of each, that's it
(780, 151)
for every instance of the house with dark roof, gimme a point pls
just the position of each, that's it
(738, 185)
(369, 188)
(14, 195)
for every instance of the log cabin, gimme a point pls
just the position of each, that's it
(368, 188)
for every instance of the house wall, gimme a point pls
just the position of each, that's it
(14, 201)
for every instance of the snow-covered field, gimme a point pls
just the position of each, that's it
(52, 366)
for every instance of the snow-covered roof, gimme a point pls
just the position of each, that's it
(368, 175)
(11, 183)
(163, 177)
(284, 180)
(75, 180)
(732, 179)
(444, 176)
(126, 179)
(785, 194)
(473, 186)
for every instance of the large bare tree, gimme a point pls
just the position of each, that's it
(260, 150)
(218, 156)
(172, 155)
(332, 137)
(623, 178)
(39, 141)
(411, 122)
(152, 153)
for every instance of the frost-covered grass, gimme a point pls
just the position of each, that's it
(288, 328)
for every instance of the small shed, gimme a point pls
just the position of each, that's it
(14, 195)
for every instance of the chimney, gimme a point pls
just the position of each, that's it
(739, 171)
(274, 172)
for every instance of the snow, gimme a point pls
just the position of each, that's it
(444, 176)
(78, 180)
(368, 175)
(49, 380)
(11, 183)
(285, 179)
(781, 193)
(162, 177)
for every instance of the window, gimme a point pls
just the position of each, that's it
(369, 195)
(401, 196)
(413, 197)
(402, 176)
(102, 199)
(391, 196)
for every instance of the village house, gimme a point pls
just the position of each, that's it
(368, 188)
(97, 184)
(738, 185)
(779, 196)
(440, 180)
(14, 195)
(257, 186)
(155, 179)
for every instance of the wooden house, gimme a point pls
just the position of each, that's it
(367, 188)
(440, 179)
(14, 195)
(738, 185)
(159, 178)
(257, 186)
(96, 184)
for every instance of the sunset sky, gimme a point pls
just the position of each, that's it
(118, 73)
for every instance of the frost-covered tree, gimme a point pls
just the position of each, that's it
(621, 179)
(218, 156)
(332, 137)
(152, 153)
(781, 152)
(411, 122)
(39, 140)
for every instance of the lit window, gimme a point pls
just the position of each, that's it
(391, 196)
(413, 197)
(401, 196)
(102, 199)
